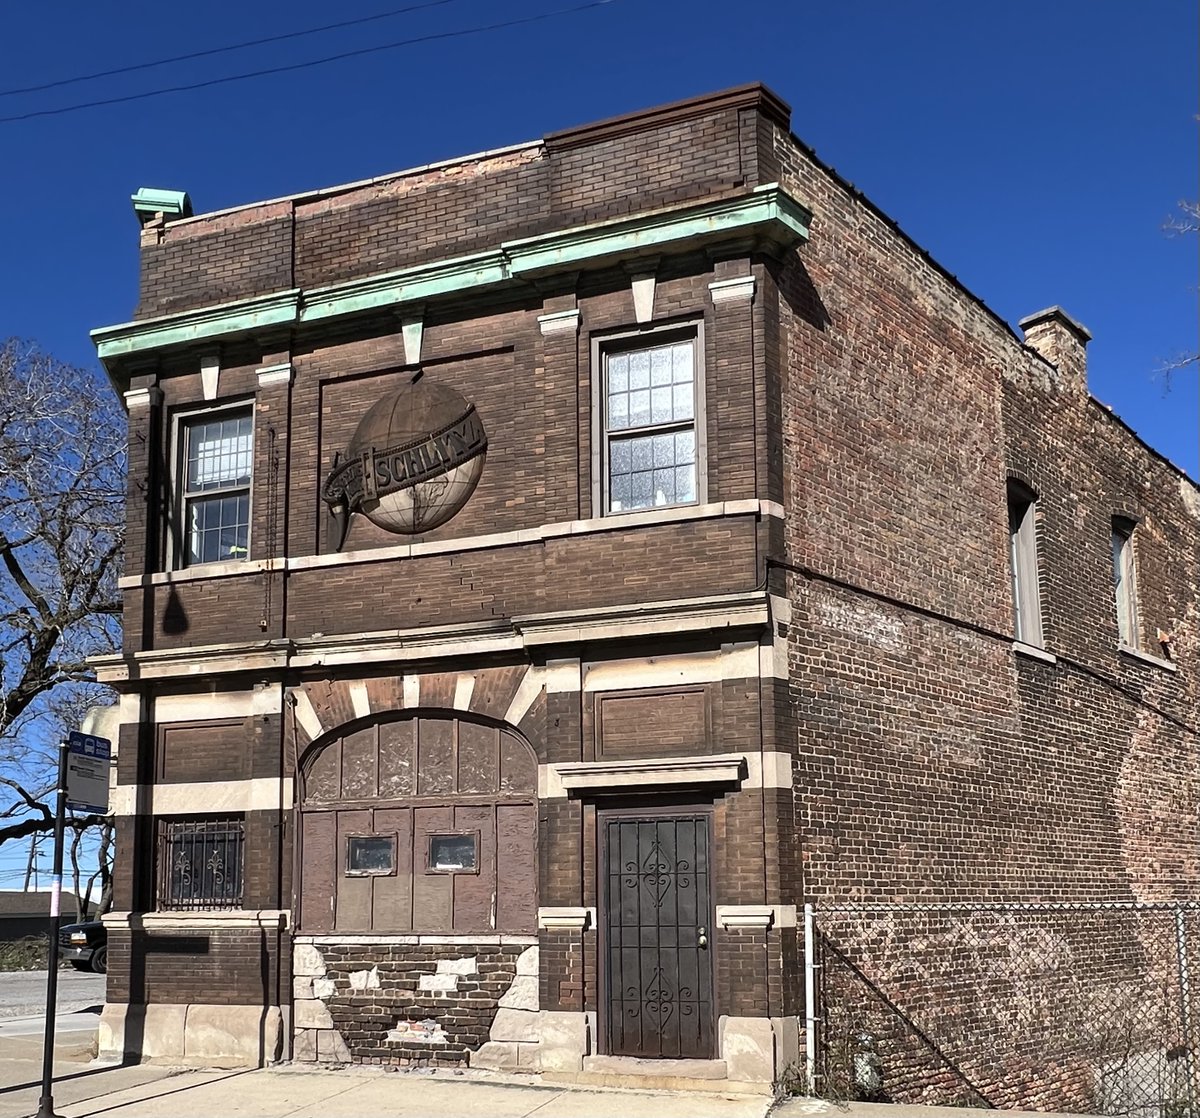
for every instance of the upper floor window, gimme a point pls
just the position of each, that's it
(1125, 581)
(1023, 561)
(216, 454)
(649, 444)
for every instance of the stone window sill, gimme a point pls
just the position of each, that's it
(1034, 652)
(1146, 658)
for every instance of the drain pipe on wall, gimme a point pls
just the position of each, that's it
(810, 1000)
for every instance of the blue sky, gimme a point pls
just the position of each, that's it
(1034, 148)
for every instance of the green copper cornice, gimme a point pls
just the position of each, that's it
(678, 230)
(408, 285)
(766, 212)
(220, 321)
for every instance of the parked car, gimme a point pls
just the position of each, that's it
(85, 946)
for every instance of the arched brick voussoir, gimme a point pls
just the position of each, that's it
(332, 701)
(386, 693)
(494, 690)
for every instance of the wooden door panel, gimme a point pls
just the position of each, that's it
(391, 903)
(318, 870)
(516, 861)
(475, 893)
(433, 893)
(353, 893)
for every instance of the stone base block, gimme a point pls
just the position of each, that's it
(759, 1049)
(324, 1046)
(311, 1015)
(194, 1035)
(497, 1055)
(522, 994)
(565, 1040)
(516, 1025)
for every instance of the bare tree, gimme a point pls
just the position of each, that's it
(62, 485)
(1186, 221)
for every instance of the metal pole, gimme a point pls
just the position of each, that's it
(1185, 1004)
(810, 999)
(46, 1102)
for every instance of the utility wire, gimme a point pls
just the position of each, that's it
(439, 35)
(134, 67)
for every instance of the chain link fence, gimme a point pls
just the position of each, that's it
(1087, 1008)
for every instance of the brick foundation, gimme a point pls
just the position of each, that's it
(410, 1004)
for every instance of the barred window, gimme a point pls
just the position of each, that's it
(200, 862)
(216, 457)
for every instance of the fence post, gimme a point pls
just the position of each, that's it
(1185, 1002)
(810, 999)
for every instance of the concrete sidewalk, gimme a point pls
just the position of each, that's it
(83, 1089)
(356, 1093)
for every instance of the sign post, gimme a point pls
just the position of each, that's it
(83, 764)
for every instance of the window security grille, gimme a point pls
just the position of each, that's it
(200, 863)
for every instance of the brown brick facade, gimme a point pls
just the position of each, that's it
(819, 652)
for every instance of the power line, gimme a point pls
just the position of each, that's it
(222, 50)
(435, 36)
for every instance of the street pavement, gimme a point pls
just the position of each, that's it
(23, 992)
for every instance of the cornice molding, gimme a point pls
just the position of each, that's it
(222, 320)
(767, 211)
(582, 777)
(748, 611)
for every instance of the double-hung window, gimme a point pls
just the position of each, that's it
(1125, 581)
(216, 455)
(649, 445)
(1023, 561)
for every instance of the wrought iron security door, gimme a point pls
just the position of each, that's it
(658, 962)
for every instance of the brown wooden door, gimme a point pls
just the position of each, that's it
(658, 963)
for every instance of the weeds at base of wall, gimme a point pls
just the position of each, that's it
(23, 954)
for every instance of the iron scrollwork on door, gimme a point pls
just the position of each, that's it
(657, 875)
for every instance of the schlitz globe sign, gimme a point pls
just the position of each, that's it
(413, 462)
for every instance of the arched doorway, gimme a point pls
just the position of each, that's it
(421, 822)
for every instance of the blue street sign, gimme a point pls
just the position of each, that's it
(88, 762)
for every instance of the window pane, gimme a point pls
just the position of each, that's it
(639, 408)
(452, 852)
(684, 408)
(643, 453)
(618, 412)
(618, 373)
(664, 487)
(219, 453)
(660, 366)
(619, 457)
(660, 405)
(620, 494)
(685, 484)
(685, 446)
(682, 354)
(643, 491)
(370, 854)
(639, 369)
(664, 450)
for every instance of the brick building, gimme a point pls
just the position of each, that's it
(549, 569)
